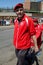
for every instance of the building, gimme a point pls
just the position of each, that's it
(27, 4)
(32, 5)
(41, 8)
(35, 7)
(7, 14)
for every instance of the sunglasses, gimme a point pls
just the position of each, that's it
(19, 9)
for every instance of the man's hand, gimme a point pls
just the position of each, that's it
(36, 49)
(35, 43)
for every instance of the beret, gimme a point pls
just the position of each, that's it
(35, 20)
(19, 5)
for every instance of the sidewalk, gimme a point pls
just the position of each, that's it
(2, 28)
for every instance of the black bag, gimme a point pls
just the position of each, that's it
(30, 53)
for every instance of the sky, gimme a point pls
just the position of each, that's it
(10, 3)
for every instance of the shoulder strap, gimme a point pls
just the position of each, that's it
(26, 20)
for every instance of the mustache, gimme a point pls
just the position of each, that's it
(19, 14)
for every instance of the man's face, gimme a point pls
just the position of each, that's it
(19, 12)
(35, 23)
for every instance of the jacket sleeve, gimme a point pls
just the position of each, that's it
(31, 27)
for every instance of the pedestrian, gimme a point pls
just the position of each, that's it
(42, 26)
(23, 31)
(38, 32)
(39, 39)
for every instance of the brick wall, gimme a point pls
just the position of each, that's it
(27, 4)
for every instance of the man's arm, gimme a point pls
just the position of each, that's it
(35, 43)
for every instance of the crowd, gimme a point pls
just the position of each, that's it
(6, 21)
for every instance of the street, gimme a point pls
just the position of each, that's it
(7, 53)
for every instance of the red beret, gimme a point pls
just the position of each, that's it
(35, 20)
(18, 6)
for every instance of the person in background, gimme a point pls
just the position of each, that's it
(38, 32)
(42, 26)
(39, 40)
(23, 31)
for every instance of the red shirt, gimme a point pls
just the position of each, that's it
(23, 33)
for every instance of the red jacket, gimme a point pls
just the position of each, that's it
(42, 27)
(38, 35)
(23, 32)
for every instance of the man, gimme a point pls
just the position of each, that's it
(42, 26)
(23, 31)
(39, 40)
(38, 32)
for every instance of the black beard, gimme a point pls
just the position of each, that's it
(19, 19)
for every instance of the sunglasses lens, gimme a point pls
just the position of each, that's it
(19, 9)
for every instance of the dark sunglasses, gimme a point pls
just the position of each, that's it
(19, 9)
